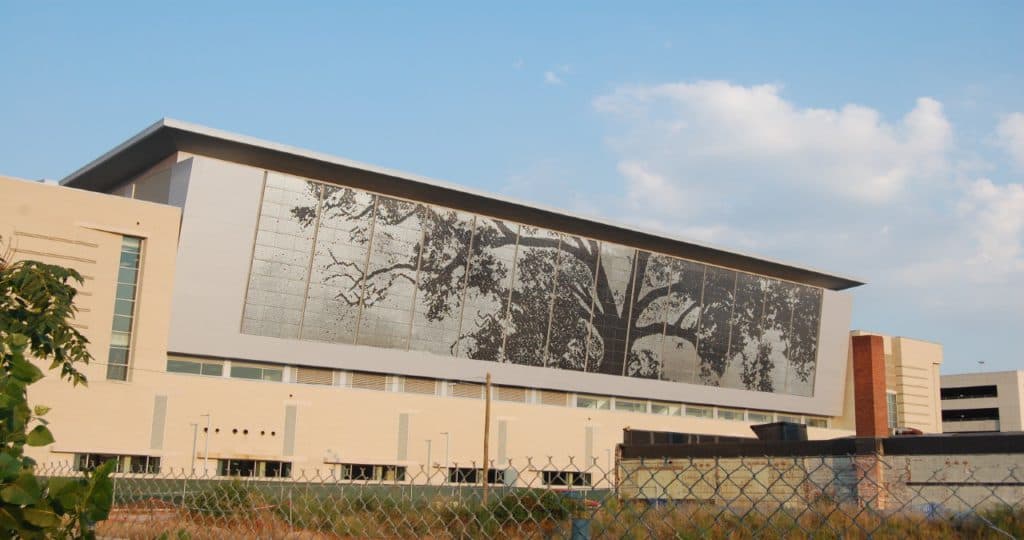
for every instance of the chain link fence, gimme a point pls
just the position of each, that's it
(768, 497)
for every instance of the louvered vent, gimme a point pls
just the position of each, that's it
(468, 390)
(308, 375)
(508, 393)
(548, 397)
(369, 381)
(415, 385)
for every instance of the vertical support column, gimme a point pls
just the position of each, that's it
(156, 434)
(870, 411)
(872, 419)
(403, 437)
(288, 446)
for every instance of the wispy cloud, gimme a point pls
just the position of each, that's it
(1011, 136)
(552, 78)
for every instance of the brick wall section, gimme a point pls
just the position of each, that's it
(869, 387)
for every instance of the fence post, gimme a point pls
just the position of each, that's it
(870, 480)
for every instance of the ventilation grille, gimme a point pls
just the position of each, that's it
(548, 397)
(468, 390)
(308, 375)
(415, 385)
(369, 381)
(508, 393)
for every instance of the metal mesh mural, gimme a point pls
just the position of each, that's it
(347, 266)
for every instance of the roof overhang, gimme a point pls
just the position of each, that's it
(168, 136)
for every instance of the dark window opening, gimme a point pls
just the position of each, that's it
(565, 478)
(253, 468)
(969, 392)
(469, 475)
(124, 463)
(372, 472)
(968, 415)
(639, 437)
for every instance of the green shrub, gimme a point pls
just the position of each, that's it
(36, 304)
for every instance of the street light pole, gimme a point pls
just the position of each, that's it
(487, 433)
(430, 465)
(195, 435)
(447, 444)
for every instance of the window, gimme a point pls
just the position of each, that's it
(550, 397)
(699, 412)
(510, 393)
(372, 472)
(593, 402)
(89, 462)
(308, 375)
(255, 372)
(252, 468)
(466, 390)
(730, 414)
(565, 478)
(892, 409)
(817, 422)
(125, 463)
(789, 418)
(970, 415)
(144, 464)
(124, 309)
(759, 417)
(469, 475)
(416, 385)
(630, 405)
(970, 392)
(369, 381)
(195, 366)
(670, 409)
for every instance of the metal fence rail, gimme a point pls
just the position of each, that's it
(768, 497)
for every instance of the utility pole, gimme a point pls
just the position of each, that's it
(487, 432)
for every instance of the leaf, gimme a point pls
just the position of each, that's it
(9, 467)
(24, 370)
(24, 490)
(41, 410)
(10, 517)
(41, 518)
(39, 436)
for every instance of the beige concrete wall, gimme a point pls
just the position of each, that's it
(917, 384)
(84, 230)
(333, 423)
(912, 371)
(337, 424)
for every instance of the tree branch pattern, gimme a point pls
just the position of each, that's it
(399, 274)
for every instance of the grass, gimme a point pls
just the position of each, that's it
(237, 510)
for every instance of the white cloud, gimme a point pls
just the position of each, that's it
(849, 151)
(994, 215)
(844, 189)
(1011, 136)
(550, 77)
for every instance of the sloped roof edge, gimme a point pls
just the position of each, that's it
(162, 138)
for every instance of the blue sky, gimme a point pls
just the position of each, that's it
(879, 140)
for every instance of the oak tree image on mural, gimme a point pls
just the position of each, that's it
(398, 274)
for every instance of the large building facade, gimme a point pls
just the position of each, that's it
(319, 313)
(983, 402)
